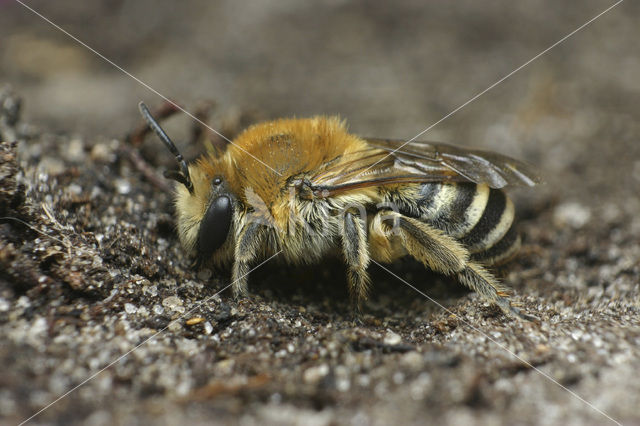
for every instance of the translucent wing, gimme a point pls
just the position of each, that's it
(387, 162)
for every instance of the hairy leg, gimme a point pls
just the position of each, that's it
(444, 254)
(356, 254)
(246, 251)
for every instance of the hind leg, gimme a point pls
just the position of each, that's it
(444, 254)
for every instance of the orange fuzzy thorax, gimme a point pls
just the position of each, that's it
(291, 147)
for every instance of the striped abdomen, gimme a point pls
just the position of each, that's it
(481, 218)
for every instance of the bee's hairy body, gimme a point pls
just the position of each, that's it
(325, 191)
(478, 217)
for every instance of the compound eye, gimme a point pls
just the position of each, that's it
(214, 227)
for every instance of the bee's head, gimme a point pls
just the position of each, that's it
(204, 203)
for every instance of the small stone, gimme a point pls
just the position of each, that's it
(175, 326)
(194, 320)
(392, 338)
(364, 380)
(38, 327)
(173, 303)
(52, 166)
(224, 367)
(75, 189)
(398, 377)
(208, 328)
(275, 398)
(151, 290)
(572, 214)
(130, 308)
(123, 186)
(313, 375)
(102, 153)
(412, 360)
(74, 151)
(420, 387)
(343, 384)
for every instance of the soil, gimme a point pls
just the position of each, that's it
(104, 320)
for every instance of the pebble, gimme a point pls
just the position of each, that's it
(364, 380)
(175, 326)
(194, 320)
(123, 186)
(102, 153)
(39, 326)
(224, 367)
(75, 189)
(420, 387)
(173, 303)
(398, 377)
(392, 338)
(130, 308)
(74, 151)
(572, 214)
(208, 328)
(412, 360)
(343, 384)
(314, 374)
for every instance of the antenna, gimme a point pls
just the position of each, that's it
(181, 176)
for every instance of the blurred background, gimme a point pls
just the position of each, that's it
(391, 70)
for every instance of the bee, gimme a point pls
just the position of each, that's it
(307, 188)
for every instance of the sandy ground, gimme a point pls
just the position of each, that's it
(91, 268)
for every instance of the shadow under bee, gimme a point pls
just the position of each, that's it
(323, 288)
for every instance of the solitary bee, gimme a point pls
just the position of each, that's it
(308, 188)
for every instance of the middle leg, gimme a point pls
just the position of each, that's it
(356, 254)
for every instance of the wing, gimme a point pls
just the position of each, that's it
(387, 162)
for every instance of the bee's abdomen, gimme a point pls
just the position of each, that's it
(479, 217)
(454, 208)
(494, 238)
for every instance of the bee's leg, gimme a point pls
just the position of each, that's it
(248, 243)
(444, 254)
(486, 285)
(356, 254)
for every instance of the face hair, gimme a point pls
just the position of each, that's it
(182, 176)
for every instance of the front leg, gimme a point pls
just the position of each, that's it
(248, 244)
(356, 254)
